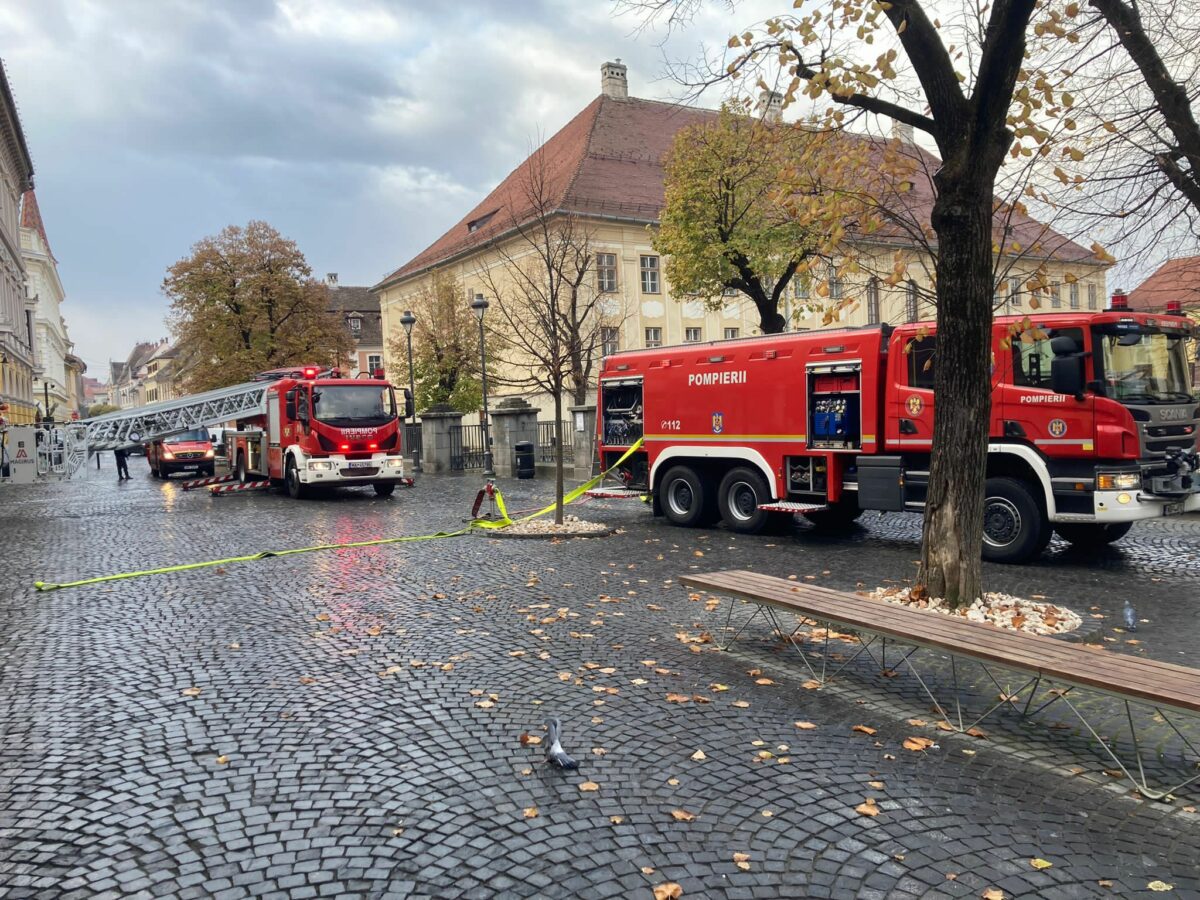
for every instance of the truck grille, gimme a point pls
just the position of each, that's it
(1160, 436)
(359, 473)
(195, 455)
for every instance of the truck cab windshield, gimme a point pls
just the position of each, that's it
(1143, 366)
(196, 434)
(354, 405)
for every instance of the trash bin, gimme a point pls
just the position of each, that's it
(523, 462)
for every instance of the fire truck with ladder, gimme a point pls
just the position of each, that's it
(301, 428)
(1093, 426)
(321, 430)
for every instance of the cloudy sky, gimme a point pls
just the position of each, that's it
(360, 128)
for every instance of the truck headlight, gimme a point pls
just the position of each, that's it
(319, 465)
(393, 463)
(210, 453)
(1119, 481)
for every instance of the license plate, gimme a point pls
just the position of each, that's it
(1173, 509)
(360, 464)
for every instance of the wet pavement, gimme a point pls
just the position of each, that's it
(348, 723)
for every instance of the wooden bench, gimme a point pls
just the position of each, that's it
(1055, 667)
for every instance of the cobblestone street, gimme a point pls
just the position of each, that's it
(347, 723)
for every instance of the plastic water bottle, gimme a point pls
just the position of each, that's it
(1130, 617)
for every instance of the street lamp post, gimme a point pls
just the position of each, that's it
(408, 320)
(480, 305)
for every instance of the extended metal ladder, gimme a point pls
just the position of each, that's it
(130, 427)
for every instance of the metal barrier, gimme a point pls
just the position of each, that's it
(545, 448)
(412, 439)
(466, 447)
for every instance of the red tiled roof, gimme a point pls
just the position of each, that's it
(31, 217)
(1176, 279)
(608, 161)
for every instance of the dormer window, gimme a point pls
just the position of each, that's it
(355, 323)
(475, 224)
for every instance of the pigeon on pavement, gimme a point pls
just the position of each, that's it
(555, 753)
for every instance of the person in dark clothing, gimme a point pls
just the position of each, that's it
(120, 455)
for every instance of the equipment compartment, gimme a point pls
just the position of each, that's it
(621, 413)
(834, 406)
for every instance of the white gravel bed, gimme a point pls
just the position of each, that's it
(1001, 610)
(572, 526)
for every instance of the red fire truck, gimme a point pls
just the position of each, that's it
(321, 430)
(1093, 426)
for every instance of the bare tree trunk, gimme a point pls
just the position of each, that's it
(558, 457)
(951, 565)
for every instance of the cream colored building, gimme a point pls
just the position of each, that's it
(52, 346)
(17, 356)
(605, 168)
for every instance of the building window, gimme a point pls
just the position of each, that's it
(729, 292)
(653, 337)
(1014, 291)
(1092, 294)
(355, 324)
(801, 282)
(1055, 295)
(835, 284)
(606, 272)
(910, 300)
(610, 339)
(649, 267)
(732, 333)
(693, 335)
(1074, 293)
(374, 363)
(873, 301)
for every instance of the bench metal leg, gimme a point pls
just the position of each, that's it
(1140, 782)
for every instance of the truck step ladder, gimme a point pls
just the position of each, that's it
(617, 493)
(790, 506)
(238, 488)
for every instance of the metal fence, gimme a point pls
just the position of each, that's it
(545, 448)
(412, 440)
(466, 447)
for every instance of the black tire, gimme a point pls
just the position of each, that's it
(384, 490)
(296, 490)
(1014, 527)
(1090, 534)
(741, 492)
(838, 517)
(208, 471)
(684, 497)
(240, 473)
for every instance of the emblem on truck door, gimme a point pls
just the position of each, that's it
(718, 422)
(1057, 428)
(914, 404)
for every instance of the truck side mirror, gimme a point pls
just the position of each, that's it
(1066, 376)
(410, 408)
(289, 408)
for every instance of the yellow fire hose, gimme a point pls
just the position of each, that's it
(477, 524)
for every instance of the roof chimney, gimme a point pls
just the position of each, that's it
(902, 132)
(613, 82)
(772, 106)
(331, 279)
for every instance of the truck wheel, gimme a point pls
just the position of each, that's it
(1014, 528)
(741, 491)
(384, 490)
(838, 517)
(296, 490)
(684, 498)
(208, 472)
(1090, 534)
(241, 474)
